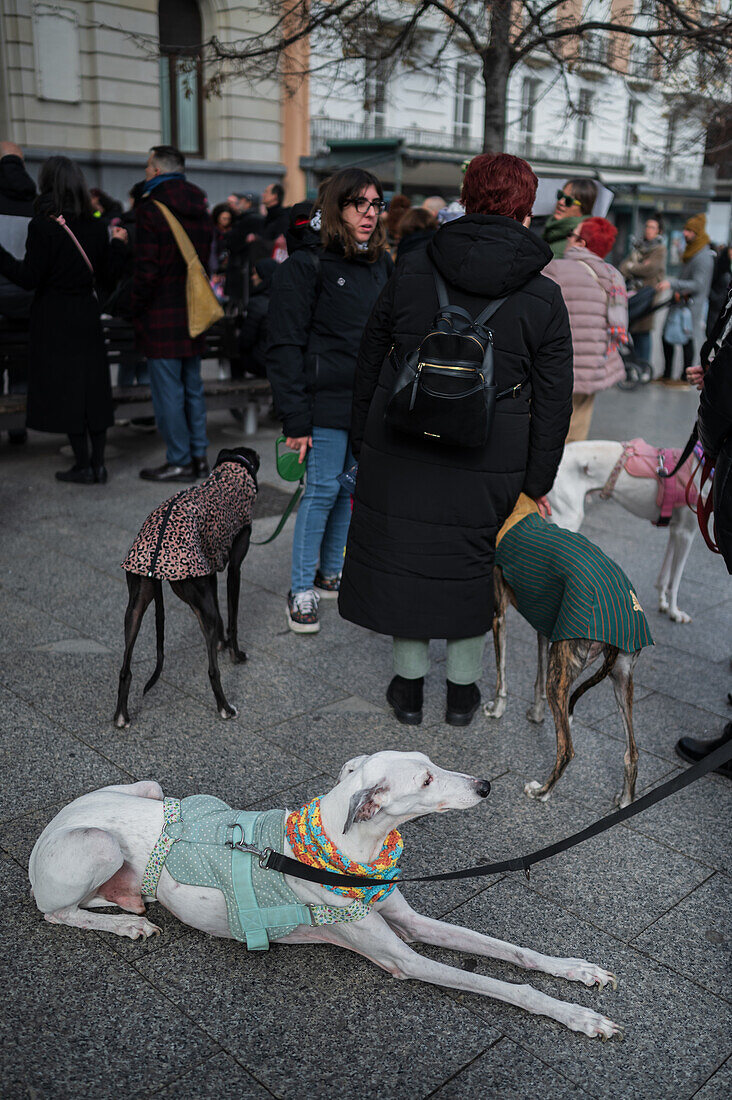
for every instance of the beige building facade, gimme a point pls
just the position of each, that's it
(86, 78)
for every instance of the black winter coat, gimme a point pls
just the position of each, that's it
(68, 378)
(318, 310)
(421, 544)
(715, 424)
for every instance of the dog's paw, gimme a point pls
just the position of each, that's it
(496, 708)
(238, 656)
(533, 787)
(122, 721)
(622, 800)
(663, 604)
(139, 928)
(679, 616)
(591, 1023)
(535, 714)
(578, 970)
(228, 711)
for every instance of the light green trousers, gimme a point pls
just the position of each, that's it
(464, 658)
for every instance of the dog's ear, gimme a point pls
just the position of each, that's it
(365, 804)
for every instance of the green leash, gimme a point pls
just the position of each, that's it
(289, 468)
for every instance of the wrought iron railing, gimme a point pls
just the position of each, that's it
(324, 130)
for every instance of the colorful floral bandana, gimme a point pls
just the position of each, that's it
(304, 829)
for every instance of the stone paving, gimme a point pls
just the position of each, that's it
(89, 1014)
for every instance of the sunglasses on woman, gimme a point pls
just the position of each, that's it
(568, 200)
(364, 205)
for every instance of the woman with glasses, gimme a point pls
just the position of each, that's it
(574, 203)
(321, 300)
(419, 562)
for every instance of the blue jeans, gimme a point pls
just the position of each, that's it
(642, 343)
(132, 370)
(180, 407)
(321, 527)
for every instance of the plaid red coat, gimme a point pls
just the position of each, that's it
(159, 283)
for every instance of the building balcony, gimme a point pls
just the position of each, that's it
(673, 171)
(324, 130)
(417, 141)
(642, 70)
(594, 56)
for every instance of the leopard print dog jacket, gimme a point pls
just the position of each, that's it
(190, 534)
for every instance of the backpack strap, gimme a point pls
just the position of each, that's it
(444, 300)
(489, 310)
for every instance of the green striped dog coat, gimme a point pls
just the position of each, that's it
(567, 588)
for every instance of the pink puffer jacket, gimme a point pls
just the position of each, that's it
(598, 316)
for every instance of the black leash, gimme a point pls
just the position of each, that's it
(275, 861)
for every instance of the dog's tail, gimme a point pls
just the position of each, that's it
(611, 656)
(159, 634)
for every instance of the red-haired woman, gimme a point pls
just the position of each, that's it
(595, 294)
(420, 551)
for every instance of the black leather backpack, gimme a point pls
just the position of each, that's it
(444, 388)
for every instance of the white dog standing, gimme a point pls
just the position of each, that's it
(97, 850)
(586, 466)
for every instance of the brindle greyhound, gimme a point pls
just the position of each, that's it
(559, 665)
(199, 592)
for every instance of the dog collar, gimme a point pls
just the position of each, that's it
(311, 845)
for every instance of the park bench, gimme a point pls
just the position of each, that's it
(136, 401)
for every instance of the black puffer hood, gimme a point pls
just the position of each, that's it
(487, 254)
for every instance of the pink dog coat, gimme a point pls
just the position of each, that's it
(641, 459)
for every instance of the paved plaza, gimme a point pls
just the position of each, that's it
(87, 1014)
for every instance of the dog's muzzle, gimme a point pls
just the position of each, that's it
(482, 787)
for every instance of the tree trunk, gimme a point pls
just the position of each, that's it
(497, 62)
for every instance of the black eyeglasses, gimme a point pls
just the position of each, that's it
(363, 205)
(562, 196)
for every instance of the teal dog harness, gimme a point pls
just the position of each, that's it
(200, 845)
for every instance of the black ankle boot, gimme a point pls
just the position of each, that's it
(688, 748)
(79, 475)
(405, 699)
(462, 702)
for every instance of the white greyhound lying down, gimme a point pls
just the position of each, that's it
(96, 851)
(586, 466)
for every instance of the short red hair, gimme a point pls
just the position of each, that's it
(598, 234)
(497, 183)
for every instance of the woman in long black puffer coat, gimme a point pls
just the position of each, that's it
(68, 377)
(421, 544)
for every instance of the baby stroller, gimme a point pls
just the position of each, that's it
(638, 372)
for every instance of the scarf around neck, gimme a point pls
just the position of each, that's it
(304, 829)
(700, 242)
(556, 231)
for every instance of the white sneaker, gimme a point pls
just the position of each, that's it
(302, 612)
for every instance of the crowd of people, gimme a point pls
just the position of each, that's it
(409, 553)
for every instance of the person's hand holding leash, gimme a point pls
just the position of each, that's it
(300, 443)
